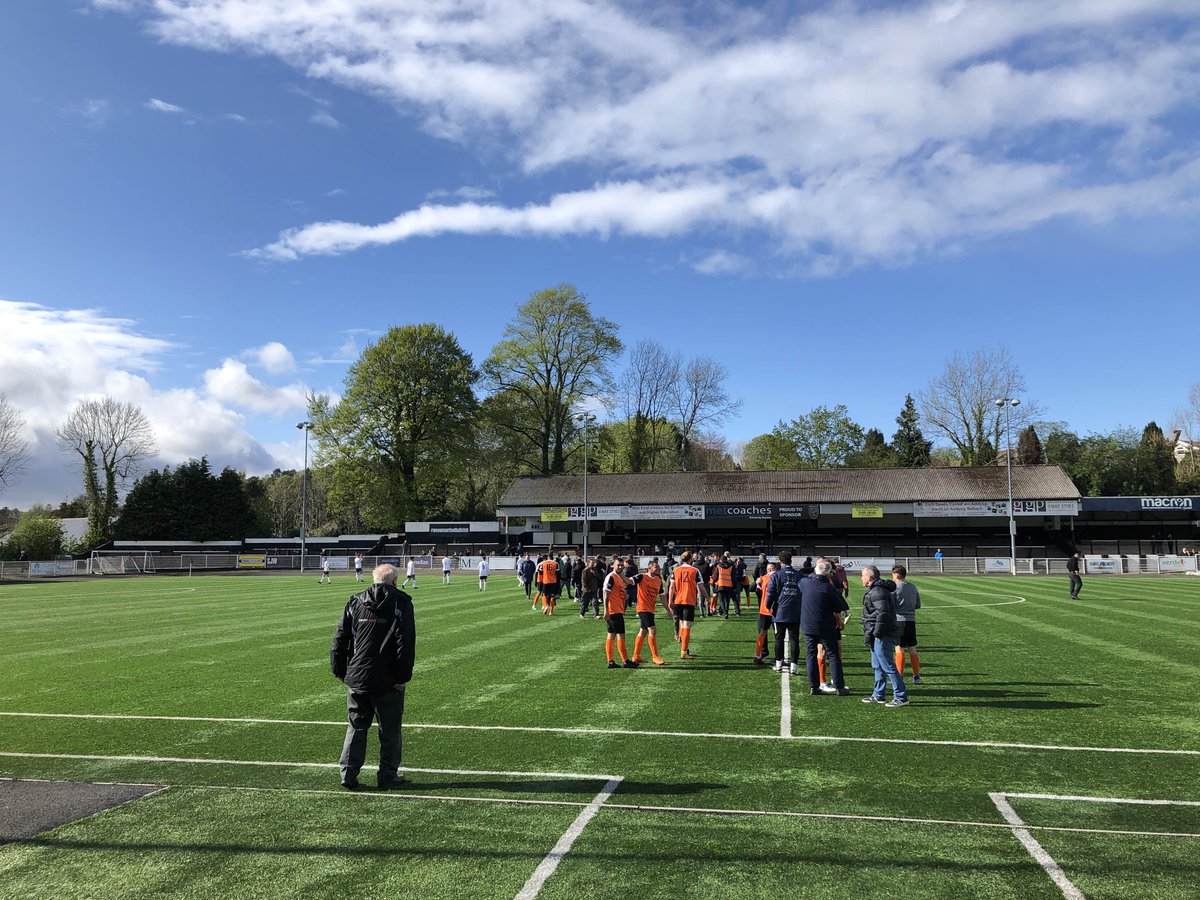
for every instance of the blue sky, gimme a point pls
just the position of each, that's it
(209, 207)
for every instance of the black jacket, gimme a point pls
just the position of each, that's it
(820, 602)
(879, 611)
(375, 643)
(783, 595)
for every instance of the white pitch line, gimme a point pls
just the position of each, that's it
(563, 847)
(536, 729)
(1036, 850)
(1075, 798)
(571, 776)
(785, 706)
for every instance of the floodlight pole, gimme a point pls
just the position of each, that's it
(306, 427)
(1008, 403)
(585, 419)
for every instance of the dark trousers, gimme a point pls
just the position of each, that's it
(836, 676)
(792, 631)
(730, 595)
(362, 707)
(1076, 585)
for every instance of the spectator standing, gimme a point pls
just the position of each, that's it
(1074, 573)
(589, 588)
(879, 635)
(783, 599)
(372, 653)
(821, 606)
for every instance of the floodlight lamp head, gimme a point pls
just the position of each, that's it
(999, 401)
(303, 425)
(1016, 402)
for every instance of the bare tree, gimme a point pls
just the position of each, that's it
(112, 438)
(643, 397)
(960, 404)
(14, 450)
(1187, 421)
(700, 401)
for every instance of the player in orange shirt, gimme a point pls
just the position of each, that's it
(649, 588)
(616, 591)
(550, 586)
(687, 589)
(764, 614)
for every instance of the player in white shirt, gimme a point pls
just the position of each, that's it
(410, 573)
(325, 576)
(484, 568)
(358, 566)
(446, 563)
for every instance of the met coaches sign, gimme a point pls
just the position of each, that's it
(1141, 504)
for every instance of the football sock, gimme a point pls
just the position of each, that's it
(899, 660)
(821, 668)
(760, 645)
(608, 644)
(685, 634)
(621, 648)
(654, 649)
(637, 646)
(916, 662)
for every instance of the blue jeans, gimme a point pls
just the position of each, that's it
(883, 661)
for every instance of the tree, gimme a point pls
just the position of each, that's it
(1187, 421)
(1154, 464)
(14, 451)
(402, 429)
(960, 404)
(644, 392)
(189, 504)
(700, 402)
(113, 438)
(875, 453)
(553, 356)
(37, 536)
(823, 437)
(769, 452)
(1029, 448)
(912, 450)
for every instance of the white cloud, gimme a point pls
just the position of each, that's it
(163, 106)
(467, 192)
(721, 262)
(275, 357)
(846, 134)
(324, 119)
(233, 117)
(52, 358)
(231, 383)
(94, 111)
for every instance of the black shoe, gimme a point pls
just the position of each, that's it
(758, 661)
(393, 782)
(814, 692)
(631, 664)
(350, 782)
(611, 664)
(844, 692)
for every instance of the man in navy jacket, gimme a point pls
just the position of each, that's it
(820, 604)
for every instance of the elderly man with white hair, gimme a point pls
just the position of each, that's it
(373, 652)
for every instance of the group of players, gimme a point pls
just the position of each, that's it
(695, 585)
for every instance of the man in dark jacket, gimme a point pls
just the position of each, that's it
(590, 581)
(783, 599)
(1073, 572)
(821, 604)
(373, 652)
(880, 633)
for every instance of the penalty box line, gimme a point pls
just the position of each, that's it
(536, 729)
(611, 783)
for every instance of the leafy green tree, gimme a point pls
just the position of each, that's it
(1155, 462)
(553, 356)
(1029, 448)
(769, 452)
(38, 536)
(403, 428)
(909, 443)
(875, 453)
(189, 504)
(824, 438)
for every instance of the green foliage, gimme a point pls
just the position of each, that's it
(189, 504)
(639, 444)
(769, 452)
(911, 448)
(1155, 463)
(403, 430)
(38, 536)
(1029, 448)
(1121, 462)
(823, 438)
(875, 453)
(554, 355)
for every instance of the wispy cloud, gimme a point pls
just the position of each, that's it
(467, 192)
(324, 119)
(94, 111)
(163, 106)
(845, 134)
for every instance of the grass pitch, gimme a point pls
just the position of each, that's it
(535, 769)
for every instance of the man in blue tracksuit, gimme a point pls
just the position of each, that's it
(783, 599)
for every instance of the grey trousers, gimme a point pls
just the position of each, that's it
(362, 708)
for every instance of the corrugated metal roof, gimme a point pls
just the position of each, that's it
(804, 486)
